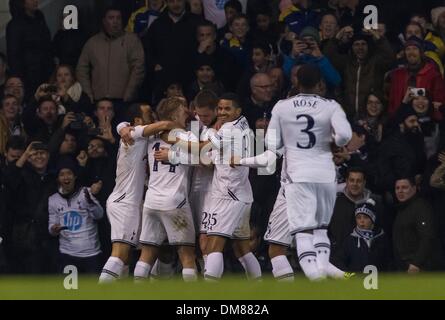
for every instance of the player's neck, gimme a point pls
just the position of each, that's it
(309, 91)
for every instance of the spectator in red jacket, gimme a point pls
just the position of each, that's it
(417, 73)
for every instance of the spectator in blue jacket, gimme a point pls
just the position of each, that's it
(306, 50)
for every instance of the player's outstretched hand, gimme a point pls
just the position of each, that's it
(125, 134)
(162, 155)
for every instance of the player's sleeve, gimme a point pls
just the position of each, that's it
(178, 156)
(122, 125)
(341, 126)
(274, 139)
(260, 161)
(220, 139)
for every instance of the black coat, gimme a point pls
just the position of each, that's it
(31, 246)
(67, 46)
(415, 238)
(35, 128)
(172, 46)
(28, 41)
(355, 253)
(399, 156)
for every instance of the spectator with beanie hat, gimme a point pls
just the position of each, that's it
(73, 212)
(417, 73)
(366, 245)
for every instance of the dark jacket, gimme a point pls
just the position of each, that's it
(67, 46)
(414, 236)
(225, 66)
(343, 217)
(172, 46)
(30, 238)
(360, 78)
(357, 253)
(400, 155)
(35, 128)
(253, 111)
(29, 49)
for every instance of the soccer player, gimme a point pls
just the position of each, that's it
(124, 203)
(231, 196)
(277, 234)
(205, 104)
(166, 213)
(305, 125)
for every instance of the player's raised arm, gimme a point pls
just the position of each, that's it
(274, 140)
(263, 160)
(342, 128)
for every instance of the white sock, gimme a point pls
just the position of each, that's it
(214, 266)
(204, 257)
(141, 271)
(251, 266)
(334, 272)
(189, 275)
(111, 270)
(281, 269)
(125, 272)
(307, 256)
(322, 247)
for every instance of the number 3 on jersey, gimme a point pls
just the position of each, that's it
(307, 130)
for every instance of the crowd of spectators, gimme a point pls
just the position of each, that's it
(62, 97)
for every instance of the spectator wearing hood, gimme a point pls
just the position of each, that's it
(366, 245)
(73, 212)
(28, 41)
(306, 50)
(363, 68)
(418, 72)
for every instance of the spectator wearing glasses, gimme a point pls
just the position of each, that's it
(259, 105)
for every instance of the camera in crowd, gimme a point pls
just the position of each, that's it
(80, 125)
(418, 92)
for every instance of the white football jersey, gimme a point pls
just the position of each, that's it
(130, 173)
(202, 176)
(306, 125)
(168, 183)
(234, 138)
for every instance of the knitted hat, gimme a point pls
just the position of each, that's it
(362, 36)
(435, 14)
(67, 162)
(310, 32)
(368, 209)
(204, 60)
(416, 42)
(405, 112)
